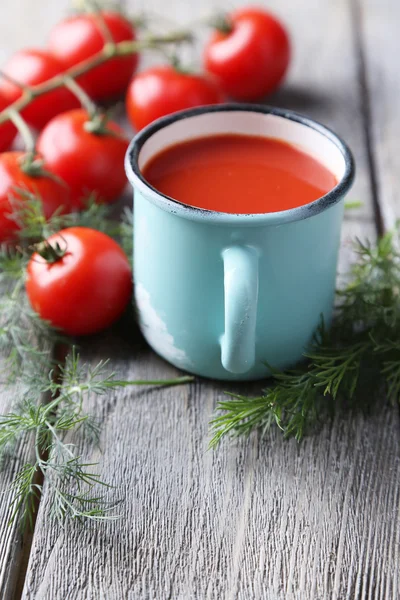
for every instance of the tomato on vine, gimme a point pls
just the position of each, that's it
(163, 90)
(80, 37)
(19, 174)
(87, 153)
(249, 53)
(29, 68)
(79, 280)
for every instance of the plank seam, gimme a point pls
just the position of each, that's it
(366, 112)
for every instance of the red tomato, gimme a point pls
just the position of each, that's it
(87, 162)
(80, 37)
(7, 130)
(251, 60)
(53, 194)
(160, 91)
(84, 290)
(31, 67)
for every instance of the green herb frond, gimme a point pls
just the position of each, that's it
(56, 459)
(33, 224)
(24, 337)
(25, 493)
(13, 261)
(372, 296)
(96, 216)
(70, 481)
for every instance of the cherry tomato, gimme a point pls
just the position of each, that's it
(31, 67)
(160, 91)
(251, 59)
(80, 37)
(88, 162)
(86, 288)
(13, 181)
(7, 130)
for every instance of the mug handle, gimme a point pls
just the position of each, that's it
(238, 343)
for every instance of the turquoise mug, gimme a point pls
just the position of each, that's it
(219, 294)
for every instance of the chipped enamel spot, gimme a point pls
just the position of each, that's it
(155, 330)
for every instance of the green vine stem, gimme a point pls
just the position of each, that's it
(7, 77)
(221, 23)
(86, 102)
(101, 22)
(29, 163)
(23, 130)
(97, 119)
(108, 51)
(158, 382)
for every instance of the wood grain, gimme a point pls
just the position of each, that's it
(22, 24)
(12, 543)
(264, 519)
(257, 519)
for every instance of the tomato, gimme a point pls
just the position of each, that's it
(53, 194)
(251, 59)
(80, 37)
(86, 288)
(7, 130)
(31, 67)
(87, 162)
(160, 91)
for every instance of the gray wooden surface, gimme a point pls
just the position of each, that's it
(257, 519)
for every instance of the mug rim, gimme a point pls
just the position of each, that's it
(298, 213)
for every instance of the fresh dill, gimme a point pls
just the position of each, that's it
(33, 224)
(69, 479)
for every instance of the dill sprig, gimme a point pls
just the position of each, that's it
(69, 479)
(352, 364)
(33, 224)
(25, 339)
(50, 395)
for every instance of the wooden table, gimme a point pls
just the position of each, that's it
(259, 518)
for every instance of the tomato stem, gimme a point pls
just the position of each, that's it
(86, 102)
(30, 163)
(178, 67)
(23, 130)
(221, 23)
(18, 84)
(51, 254)
(101, 22)
(97, 124)
(110, 50)
(139, 21)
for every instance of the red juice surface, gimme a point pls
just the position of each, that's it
(238, 174)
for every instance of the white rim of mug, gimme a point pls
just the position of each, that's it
(201, 214)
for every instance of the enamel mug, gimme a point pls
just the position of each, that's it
(220, 294)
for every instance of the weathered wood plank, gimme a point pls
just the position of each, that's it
(255, 519)
(378, 29)
(22, 24)
(379, 47)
